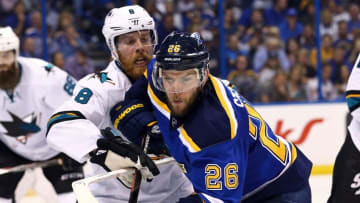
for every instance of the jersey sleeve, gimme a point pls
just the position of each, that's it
(73, 127)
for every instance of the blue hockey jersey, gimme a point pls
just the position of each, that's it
(225, 148)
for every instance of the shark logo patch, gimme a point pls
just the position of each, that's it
(21, 128)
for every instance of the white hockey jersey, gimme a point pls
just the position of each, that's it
(74, 130)
(353, 101)
(24, 113)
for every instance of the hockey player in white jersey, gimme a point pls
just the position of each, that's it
(75, 127)
(346, 174)
(30, 90)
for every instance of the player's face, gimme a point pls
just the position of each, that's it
(135, 50)
(9, 74)
(182, 88)
(7, 59)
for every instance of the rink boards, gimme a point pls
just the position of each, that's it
(318, 129)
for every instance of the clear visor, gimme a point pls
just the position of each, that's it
(174, 81)
(145, 37)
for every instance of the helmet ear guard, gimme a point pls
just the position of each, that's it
(124, 20)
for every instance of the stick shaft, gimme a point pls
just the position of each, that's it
(24, 167)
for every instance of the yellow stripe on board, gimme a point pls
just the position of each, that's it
(322, 170)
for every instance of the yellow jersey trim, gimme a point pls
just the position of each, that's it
(188, 139)
(157, 100)
(224, 104)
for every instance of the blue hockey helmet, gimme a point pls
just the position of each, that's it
(181, 51)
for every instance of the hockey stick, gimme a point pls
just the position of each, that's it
(134, 192)
(82, 190)
(24, 167)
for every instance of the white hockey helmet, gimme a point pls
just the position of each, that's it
(9, 40)
(124, 20)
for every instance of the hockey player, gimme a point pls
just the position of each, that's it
(30, 90)
(346, 175)
(75, 128)
(225, 148)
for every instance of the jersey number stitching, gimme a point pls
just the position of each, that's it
(83, 96)
(214, 174)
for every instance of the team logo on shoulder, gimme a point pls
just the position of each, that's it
(49, 67)
(21, 128)
(102, 76)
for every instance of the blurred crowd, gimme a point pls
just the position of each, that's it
(271, 53)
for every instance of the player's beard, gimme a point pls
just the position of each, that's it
(189, 103)
(133, 70)
(10, 77)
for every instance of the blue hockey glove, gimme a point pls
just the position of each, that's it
(135, 119)
(114, 153)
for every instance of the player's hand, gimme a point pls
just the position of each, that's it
(134, 119)
(115, 153)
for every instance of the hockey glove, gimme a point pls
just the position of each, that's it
(115, 153)
(135, 119)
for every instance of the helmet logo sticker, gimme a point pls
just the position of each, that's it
(196, 35)
(135, 22)
(131, 11)
(174, 48)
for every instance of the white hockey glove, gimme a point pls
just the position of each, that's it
(115, 153)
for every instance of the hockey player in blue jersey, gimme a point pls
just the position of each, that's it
(221, 142)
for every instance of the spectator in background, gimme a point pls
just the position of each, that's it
(79, 64)
(243, 78)
(276, 91)
(35, 31)
(337, 61)
(28, 48)
(269, 70)
(277, 14)
(355, 50)
(354, 22)
(307, 38)
(58, 60)
(295, 83)
(326, 50)
(343, 37)
(292, 48)
(272, 46)
(68, 42)
(248, 18)
(229, 21)
(17, 19)
(308, 14)
(290, 28)
(303, 60)
(166, 26)
(339, 13)
(232, 50)
(329, 92)
(342, 81)
(327, 26)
